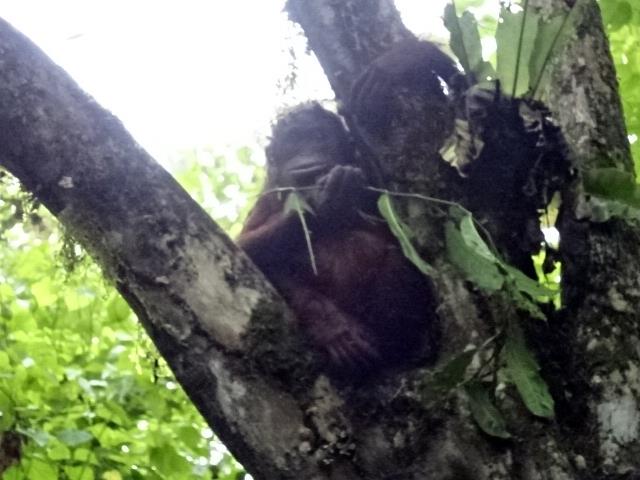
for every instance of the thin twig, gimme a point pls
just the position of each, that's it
(441, 202)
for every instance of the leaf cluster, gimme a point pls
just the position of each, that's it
(81, 385)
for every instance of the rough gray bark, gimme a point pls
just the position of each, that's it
(601, 285)
(227, 336)
(590, 353)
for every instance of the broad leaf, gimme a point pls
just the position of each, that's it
(527, 284)
(526, 304)
(512, 66)
(58, 451)
(484, 412)
(74, 438)
(614, 184)
(40, 470)
(39, 436)
(402, 233)
(467, 251)
(551, 34)
(474, 240)
(613, 194)
(83, 472)
(168, 461)
(616, 13)
(525, 373)
(598, 210)
(451, 374)
(465, 43)
(297, 203)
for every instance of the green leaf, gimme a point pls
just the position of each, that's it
(58, 451)
(614, 184)
(452, 373)
(464, 4)
(470, 254)
(45, 292)
(111, 475)
(5, 362)
(484, 412)
(473, 239)
(168, 461)
(512, 69)
(7, 414)
(527, 284)
(41, 470)
(526, 304)
(85, 455)
(39, 436)
(402, 233)
(83, 472)
(14, 472)
(551, 34)
(612, 193)
(524, 370)
(117, 309)
(616, 13)
(468, 251)
(297, 203)
(465, 43)
(190, 436)
(602, 209)
(73, 437)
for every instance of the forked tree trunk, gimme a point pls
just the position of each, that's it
(229, 338)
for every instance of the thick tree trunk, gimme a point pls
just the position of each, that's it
(601, 260)
(228, 337)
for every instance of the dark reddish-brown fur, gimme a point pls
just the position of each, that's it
(367, 307)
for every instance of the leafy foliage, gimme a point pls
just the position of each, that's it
(468, 251)
(525, 45)
(523, 369)
(88, 395)
(484, 412)
(482, 265)
(80, 382)
(515, 37)
(610, 193)
(465, 43)
(402, 233)
(622, 20)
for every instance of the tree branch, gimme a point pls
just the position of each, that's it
(201, 300)
(600, 281)
(347, 36)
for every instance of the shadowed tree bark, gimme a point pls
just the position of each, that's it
(230, 339)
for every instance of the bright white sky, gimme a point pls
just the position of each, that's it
(188, 73)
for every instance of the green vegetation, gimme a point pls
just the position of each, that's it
(81, 386)
(622, 19)
(84, 392)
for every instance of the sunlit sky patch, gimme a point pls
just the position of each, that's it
(187, 73)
